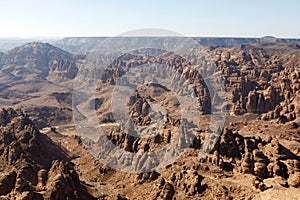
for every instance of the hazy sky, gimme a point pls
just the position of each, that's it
(60, 18)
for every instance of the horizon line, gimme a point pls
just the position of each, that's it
(106, 36)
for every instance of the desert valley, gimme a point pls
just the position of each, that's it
(256, 156)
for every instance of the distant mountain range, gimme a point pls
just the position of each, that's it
(85, 44)
(9, 43)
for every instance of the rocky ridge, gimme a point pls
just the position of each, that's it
(260, 77)
(32, 166)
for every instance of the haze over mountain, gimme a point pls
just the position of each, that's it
(84, 44)
(7, 43)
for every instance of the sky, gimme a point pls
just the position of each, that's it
(222, 18)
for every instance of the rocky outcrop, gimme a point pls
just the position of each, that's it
(63, 181)
(188, 181)
(40, 76)
(286, 111)
(32, 165)
(294, 180)
(264, 158)
(167, 192)
(259, 77)
(44, 116)
(7, 182)
(180, 68)
(43, 59)
(260, 164)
